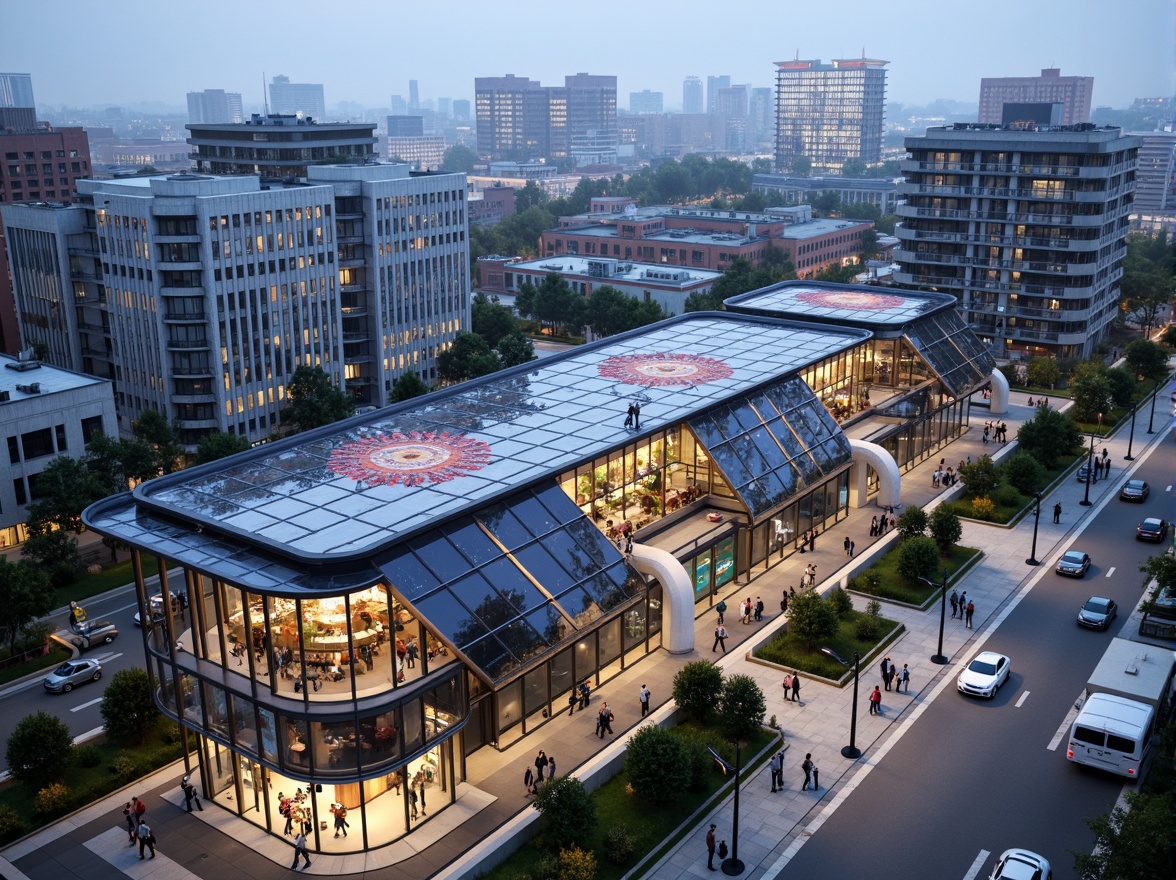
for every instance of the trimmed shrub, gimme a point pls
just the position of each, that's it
(869, 625)
(12, 825)
(867, 582)
(656, 764)
(841, 602)
(619, 843)
(124, 766)
(546, 868)
(569, 813)
(52, 799)
(577, 864)
(696, 757)
(811, 618)
(1024, 473)
(696, 689)
(918, 557)
(741, 707)
(89, 755)
(982, 508)
(912, 522)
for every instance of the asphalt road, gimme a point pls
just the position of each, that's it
(971, 778)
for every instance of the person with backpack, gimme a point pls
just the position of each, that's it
(146, 839)
(722, 609)
(720, 639)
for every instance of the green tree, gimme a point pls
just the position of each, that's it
(525, 298)
(54, 553)
(741, 708)
(841, 602)
(655, 761)
(945, 528)
(607, 311)
(67, 486)
(467, 358)
(557, 304)
(919, 557)
(1048, 436)
(1161, 569)
(827, 203)
(25, 595)
(1091, 396)
(853, 167)
(515, 349)
(40, 749)
(912, 522)
(1024, 473)
(218, 445)
(1146, 287)
(128, 709)
(1123, 384)
(870, 249)
(979, 477)
(1147, 359)
(811, 618)
(490, 319)
(459, 158)
(1043, 372)
(531, 195)
(569, 814)
(801, 166)
(314, 401)
(408, 386)
(1133, 842)
(697, 686)
(153, 428)
(118, 462)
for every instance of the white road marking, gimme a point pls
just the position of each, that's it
(1169, 489)
(1064, 730)
(1110, 571)
(86, 705)
(977, 865)
(106, 658)
(1024, 697)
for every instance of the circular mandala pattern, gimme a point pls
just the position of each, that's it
(844, 299)
(652, 370)
(410, 459)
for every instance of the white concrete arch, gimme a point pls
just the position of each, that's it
(998, 403)
(889, 478)
(678, 594)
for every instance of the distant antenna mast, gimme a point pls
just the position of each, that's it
(264, 96)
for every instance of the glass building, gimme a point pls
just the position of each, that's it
(359, 608)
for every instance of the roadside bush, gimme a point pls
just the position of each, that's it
(1024, 473)
(40, 749)
(696, 757)
(619, 843)
(945, 528)
(912, 522)
(656, 764)
(1122, 383)
(12, 825)
(810, 618)
(979, 477)
(982, 508)
(52, 799)
(696, 689)
(841, 602)
(918, 558)
(866, 582)
(869, 625)
(124, 766)
(1006, 496)
(1043, 372)
(89, 756)
(546, 868)
(741, 707)
(569, 814)
(577, 864)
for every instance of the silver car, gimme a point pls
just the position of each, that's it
(73, 672)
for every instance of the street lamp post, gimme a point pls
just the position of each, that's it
(1086, 502)
(1131, 437)
(939, 657)
(733, 866)
(851, 750)
(1151, 415)
(1033, 560)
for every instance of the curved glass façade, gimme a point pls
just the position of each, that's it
(315, 702)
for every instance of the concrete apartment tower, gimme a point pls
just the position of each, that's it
(1072, 92)
(215, 106)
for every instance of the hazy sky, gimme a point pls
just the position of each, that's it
(82, 53)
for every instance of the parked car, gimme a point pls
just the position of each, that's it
(1021, 864)
(65, 677)
(156, 604)
(1151, 529)
(1134, 490)
(984, 675)
(1073, 563)
(1083, 473)
(101, 632)
(1097, 613)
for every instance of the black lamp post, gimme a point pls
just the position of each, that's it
(851, 750)
(939, 657)
(733, 867)
(1131, 437)
(1085, 502)
(1151, 415)
(1033, 560)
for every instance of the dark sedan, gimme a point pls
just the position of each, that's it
(1074, 563)
(1097, 613)
(1152, 529)
(1134, 490)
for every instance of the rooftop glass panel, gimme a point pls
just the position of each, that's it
(389, 473)
(858, 306)
(952, 350)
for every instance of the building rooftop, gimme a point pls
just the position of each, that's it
(694, 236)
(842, 304)
(620, 270)
(813, 228)
(18, 379)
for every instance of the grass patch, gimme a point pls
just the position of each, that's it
(1010, 503)
(788, 649)
(112, 576)
(96, 776)
(652, 826)
(57, 655)
(1034, 392)
(892, 585)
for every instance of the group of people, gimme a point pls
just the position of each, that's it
(808, 541)
(998, 430)
(963, 607)
(1100, 467)
(138, 831)
(544, 766)
(880, 524)
(749, 611)
(892, 675)
(579, 697)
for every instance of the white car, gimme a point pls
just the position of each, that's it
(156, 603)
(984, 675)
(1020, 864)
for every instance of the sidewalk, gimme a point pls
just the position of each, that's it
(216, 846)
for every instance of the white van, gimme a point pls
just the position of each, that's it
(1112, 733)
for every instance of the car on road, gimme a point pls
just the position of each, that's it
(89, 634)
(1097, 613)
(984, 675)
(1151, 529)
(1021, 864)
(1074, 563)
(68, 675)
(1134, 490)
(156, 605)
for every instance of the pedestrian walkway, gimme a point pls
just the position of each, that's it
(214, 845)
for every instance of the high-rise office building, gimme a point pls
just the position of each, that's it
(201, 295)
(414, 95)
(289, 98)
(692, 96)
(399, 106)
(829, 112)
(761, 108)
(645, 101)
(713, 84)
(444, 107)
(278, 146)
(1072, 92)
(461, 110)
(405, 126)
(1155, 182)
(16, 90)
(592, 135)
(517, 118)
(215, 106)
(1026, 227)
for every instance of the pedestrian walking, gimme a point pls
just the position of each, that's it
(540, 766)
(905, 678)
(720, 639)
(606, 720)
(795, 686)
(190, 794)
(970, 611)
(876, 701)
(807, 767)
(636, 417)
(886, 672)
(813, 541)
(529, 782)
(629, 417)
(722, 609)
(845, 544)
(963, 604)
(852, 547)
(787, 686)
(710, 848)
(300, 849)
(129, 818)
(551, 767)
(804, 541)
(777, 765)
(146, 839)
(745, 610)
(1058, 512)
(140, 810)
(643, 698)
(955, 603)
(874, 527)
(341, 824)
(573, 698)
(784, 602)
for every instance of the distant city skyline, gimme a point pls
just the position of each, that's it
(138, 55)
